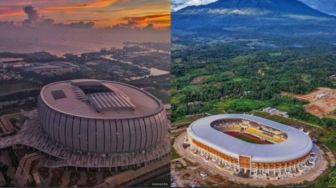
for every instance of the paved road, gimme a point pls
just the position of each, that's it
(320, 167)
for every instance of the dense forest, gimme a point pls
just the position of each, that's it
(226, 77)
(232, 77)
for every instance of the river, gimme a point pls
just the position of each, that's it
(153, 71)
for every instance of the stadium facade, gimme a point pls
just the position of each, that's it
(281, 149)
(90, 123)
(92, 116)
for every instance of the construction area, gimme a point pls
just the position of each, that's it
(322, 102)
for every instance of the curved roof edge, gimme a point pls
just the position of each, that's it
(297, 145)
(159, 109)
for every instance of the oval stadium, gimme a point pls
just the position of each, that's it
(101, 116)
(251, 146)
(96, 124)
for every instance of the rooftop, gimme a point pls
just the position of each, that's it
(99, 99)
(296, 145)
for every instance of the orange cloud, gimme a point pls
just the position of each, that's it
(17, 9)
(8, 11)
(156, 20)
(96, 4)
(11, 13)
(103, 13)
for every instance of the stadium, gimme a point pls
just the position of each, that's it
(252, 146)
(96, 124)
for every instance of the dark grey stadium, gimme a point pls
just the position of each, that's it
(94, 124)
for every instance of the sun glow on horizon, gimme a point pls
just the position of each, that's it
(102, 13)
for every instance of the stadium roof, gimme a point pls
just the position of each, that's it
(99, 99)
(295, 146)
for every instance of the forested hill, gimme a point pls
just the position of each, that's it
(245, 16)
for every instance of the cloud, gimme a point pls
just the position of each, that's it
(94, 4)
(65, 26)
(32, 14)
(145, 22)
(78, 25)
(61, 39)
(104, 13)
(35, 19)
(9, 9)
(7, 12)
(149, 26)
(225, 11)
(180, 4)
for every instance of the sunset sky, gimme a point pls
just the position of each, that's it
(103, 13)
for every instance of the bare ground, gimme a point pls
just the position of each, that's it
(322, 102)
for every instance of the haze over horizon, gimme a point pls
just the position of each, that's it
(78, 26)
(101, 13)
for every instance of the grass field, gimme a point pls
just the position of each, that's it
(247, 137)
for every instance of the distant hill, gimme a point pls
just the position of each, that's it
(327, 6)
(247, 13)
(254, 8)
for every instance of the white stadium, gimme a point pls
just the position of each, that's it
(252, 146)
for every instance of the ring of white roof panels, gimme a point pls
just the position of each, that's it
(295, 146)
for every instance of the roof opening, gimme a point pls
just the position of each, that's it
(90, 89)
(58, 94)
(103, 98)
(249, 131)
